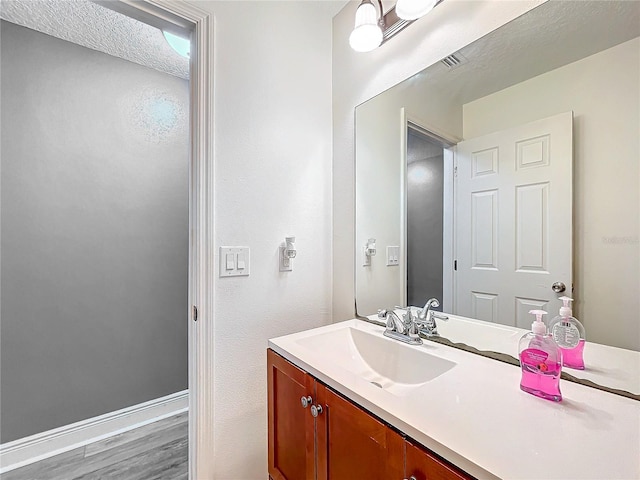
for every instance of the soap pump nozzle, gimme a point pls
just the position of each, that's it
(565, 310)
(538, 327)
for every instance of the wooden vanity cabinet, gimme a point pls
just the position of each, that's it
(343, 442)
(423, 465)
(352, 444)
(291, 427)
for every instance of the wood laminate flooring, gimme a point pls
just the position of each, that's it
(158, 451)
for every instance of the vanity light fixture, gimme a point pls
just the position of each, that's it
(414, 9)
(367, 32)
(373, 27)
(179, 44)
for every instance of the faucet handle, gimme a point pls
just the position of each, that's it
(439, 316)
(407, 319)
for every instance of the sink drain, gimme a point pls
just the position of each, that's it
(376, 384)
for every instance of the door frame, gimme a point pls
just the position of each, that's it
(177, 17)
(448, 142)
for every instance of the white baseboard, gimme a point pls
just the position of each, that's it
(43, 445)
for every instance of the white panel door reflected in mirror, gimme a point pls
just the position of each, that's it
(513, 220)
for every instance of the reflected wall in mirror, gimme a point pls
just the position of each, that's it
(577, 59)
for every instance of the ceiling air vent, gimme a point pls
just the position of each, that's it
(454, 61)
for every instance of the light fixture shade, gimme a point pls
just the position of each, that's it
(413, 9)
(179, 44)
(367, 34)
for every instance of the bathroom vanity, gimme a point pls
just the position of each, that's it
(361, 446)
(346, 402)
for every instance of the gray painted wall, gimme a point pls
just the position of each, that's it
(425, 189)
(94, 233)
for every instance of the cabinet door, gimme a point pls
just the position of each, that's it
(352, 444)
(422, 465)
(291, 427)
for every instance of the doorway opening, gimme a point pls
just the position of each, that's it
(428, 218)
(425, 189)
(111, 208)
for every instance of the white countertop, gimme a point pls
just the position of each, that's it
(476, 416)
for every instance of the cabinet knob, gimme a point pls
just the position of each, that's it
(316, 410)
(411, 478)
(306, 401)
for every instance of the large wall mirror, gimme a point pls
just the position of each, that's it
(543, 115)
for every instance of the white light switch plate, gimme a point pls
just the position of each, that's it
(393, 255)
(238, 257)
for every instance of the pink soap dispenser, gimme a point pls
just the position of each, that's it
(569, 335)
(540, 361)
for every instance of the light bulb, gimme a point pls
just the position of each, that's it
(367, 34)
(414, 9)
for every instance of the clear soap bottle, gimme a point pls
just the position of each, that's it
(540, 361)
(569, 335)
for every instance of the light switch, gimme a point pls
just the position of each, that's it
(240, 263)
(234, 261)
(393, 255)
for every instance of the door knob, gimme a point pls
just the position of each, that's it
(316, 410)
(306, 401)
(558, 287)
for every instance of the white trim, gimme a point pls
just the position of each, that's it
(404, 130)
(201, 222)
(202, 253)
(34, 448)
(431, 131)
(448, 226)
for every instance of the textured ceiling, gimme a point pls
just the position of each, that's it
(553, 34)
(92, 26)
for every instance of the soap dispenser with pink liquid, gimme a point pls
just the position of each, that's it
(540, 361)
(569, 335)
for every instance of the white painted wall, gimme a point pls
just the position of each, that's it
(359, 76)
(272, 133)
(380, 176)
(603, 91)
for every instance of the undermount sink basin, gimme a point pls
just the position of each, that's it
(385, 363)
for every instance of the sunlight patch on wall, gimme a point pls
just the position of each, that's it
(155, 115)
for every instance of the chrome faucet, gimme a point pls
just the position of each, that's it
(404, 329)
(392, 320)
(427, 318)
(414, 322)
